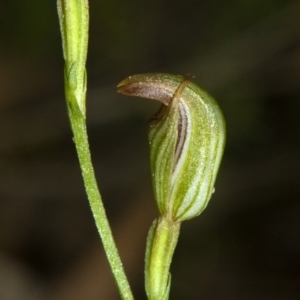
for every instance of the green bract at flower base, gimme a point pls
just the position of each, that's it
(186, 138)
(74, 19)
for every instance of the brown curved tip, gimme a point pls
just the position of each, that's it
(156, 86)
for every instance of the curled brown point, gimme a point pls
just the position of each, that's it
(151, 86)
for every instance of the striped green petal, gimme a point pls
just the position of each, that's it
(186, 140)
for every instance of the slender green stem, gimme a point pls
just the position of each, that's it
(74, 25)
(78, 125)
(161, 243)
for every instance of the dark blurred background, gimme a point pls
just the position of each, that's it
(246, 244)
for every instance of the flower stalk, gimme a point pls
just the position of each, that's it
(161, 243)
(74, 21)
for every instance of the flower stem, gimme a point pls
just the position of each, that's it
(74, 24)
(81, 142)
(161, 243)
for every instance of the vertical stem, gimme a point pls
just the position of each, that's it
(162, 240)
(74, 26)
(81, 142)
